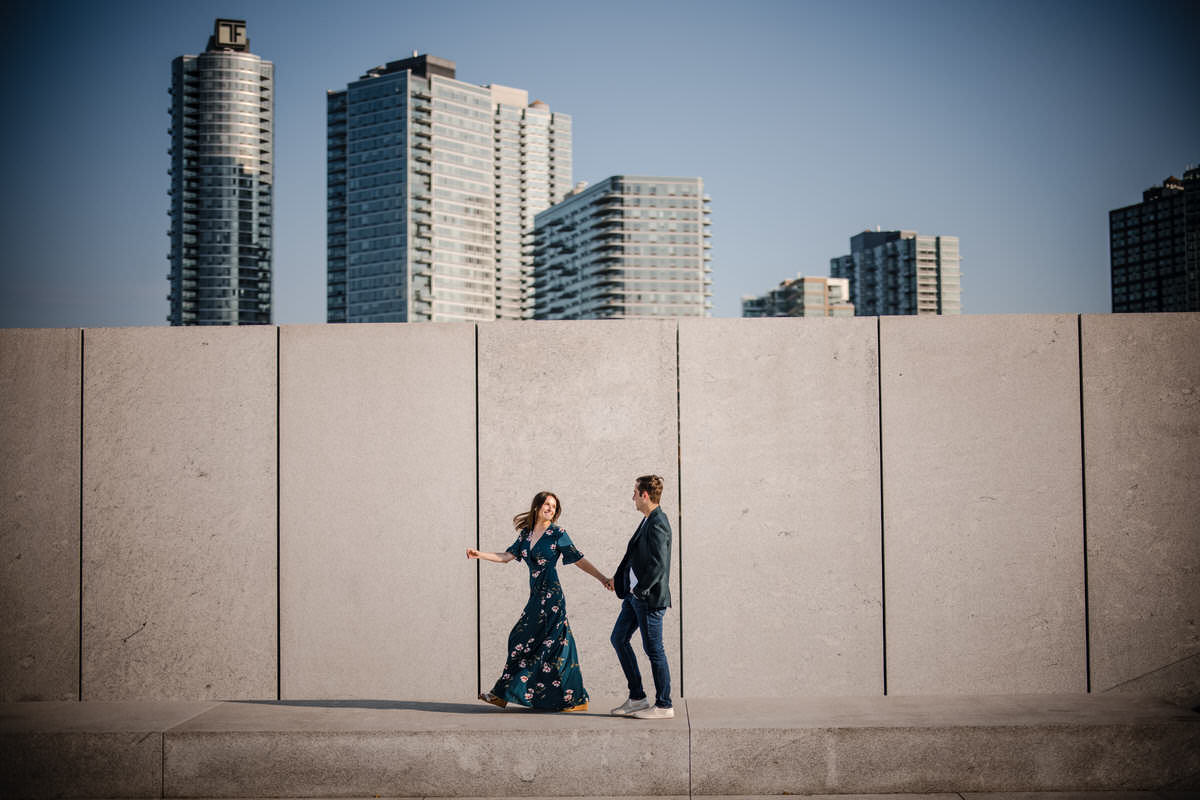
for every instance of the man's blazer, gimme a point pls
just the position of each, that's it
(649, 554)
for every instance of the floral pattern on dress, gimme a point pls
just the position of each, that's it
(542, 668)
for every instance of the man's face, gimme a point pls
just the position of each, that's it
(641, 500)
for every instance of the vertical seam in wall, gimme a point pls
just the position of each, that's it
(1087, 627)
(80, 643)
(882, 565)
(478, 588)
(688, 713)
(679, 496)
(278, 524)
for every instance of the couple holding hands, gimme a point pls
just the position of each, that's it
(542, 668)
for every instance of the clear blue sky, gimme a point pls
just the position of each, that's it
(1015, 126)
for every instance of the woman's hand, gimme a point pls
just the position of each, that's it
(472, 552)
(608, 583)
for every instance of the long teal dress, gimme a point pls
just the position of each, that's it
(542, 670)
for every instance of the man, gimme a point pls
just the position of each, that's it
(641, 583)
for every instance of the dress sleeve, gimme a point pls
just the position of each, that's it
(567, 549)
(519, 548)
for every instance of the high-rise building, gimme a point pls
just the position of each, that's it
(901, 272)
(433, 186)
(802, 296)
(1154, 248)
(222, 173)
(629, 246)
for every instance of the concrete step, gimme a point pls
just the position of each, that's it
(713, 747)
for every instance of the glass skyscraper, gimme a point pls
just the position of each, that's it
(433, 185)
(901, 272)
(221, 183)
(629, 246)
(1154, 248)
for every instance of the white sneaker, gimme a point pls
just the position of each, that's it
(654, 712)
(630, 706)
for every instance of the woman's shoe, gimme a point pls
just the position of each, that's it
(581, 707)
(488, 697)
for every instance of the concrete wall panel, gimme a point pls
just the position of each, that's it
(781, 545)
(983, 528)
(1141, 412)
(39, 514)
(179, 529)
(377, 498)
(581, 408)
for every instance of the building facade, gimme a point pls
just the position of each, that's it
(222, 178)
(802, 296)
(1154, 248)
(629, 246)
(901, 272)
(433, 186)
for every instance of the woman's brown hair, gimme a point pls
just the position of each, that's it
(526, 520)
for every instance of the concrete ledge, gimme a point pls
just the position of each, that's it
(70, 749)
(406, 749)
(714, 747)
(942, 744)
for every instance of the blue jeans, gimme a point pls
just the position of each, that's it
(634, 615)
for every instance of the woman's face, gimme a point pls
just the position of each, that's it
(549, 509)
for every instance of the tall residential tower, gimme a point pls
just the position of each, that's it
(1154, 248)
(630, 246)
(222, 169)
(901, 272)
(433, 185)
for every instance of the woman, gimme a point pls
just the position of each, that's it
(542, 670)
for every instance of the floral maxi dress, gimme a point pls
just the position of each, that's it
(542, 670)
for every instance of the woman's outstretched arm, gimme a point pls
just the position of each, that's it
(587, 567)
(499, 558)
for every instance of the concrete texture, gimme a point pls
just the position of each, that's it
(982, 478)
(983, 527)
(179, 540)
(871, 747)
(581, 408)
(782, 574)
(377, 498)
(86, 749)
(39, 514)
(412, 749)
(1127, 795)
(1141, 413)
(940, 744)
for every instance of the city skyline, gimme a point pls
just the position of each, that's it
(1015, 126)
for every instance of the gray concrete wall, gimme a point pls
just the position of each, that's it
(377, 500)
(982, 496)
(179, 540)
(581, 409)
(1141, 411)
(39, 514)
(782, 580)
(787, 571)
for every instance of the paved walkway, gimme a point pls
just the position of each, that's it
(974, 747)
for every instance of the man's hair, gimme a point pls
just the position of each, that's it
(651, 485)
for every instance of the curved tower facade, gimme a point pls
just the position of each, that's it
(221, 183)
